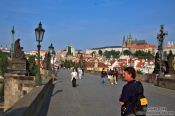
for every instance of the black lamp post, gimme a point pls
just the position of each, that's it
(52, 53)
(39, 32)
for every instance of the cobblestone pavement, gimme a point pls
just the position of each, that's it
(92, 98)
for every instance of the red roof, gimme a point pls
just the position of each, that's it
(101, 64)
(142, 46)
(140, 64)
(89, 64)
(170, 47)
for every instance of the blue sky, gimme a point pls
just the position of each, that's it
(85, 23)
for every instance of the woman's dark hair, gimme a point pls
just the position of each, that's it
(131, 71)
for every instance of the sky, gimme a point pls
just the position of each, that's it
(85, 24)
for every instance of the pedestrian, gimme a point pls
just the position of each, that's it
(80, 72)
(103, 75)
(115, 76)
(128, 98)
(73, 77)
(112, 76)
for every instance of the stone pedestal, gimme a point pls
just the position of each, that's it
(16, 86)
(18, 67)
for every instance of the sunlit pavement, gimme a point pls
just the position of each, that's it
(92, 98)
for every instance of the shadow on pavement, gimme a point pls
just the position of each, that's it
(58, 91)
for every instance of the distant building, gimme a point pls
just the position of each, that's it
(146, 48)
(168, 47)
(130, 41)
(35, 52)
(106, 48)
(70, 50)
(4, 49)
(136, 45)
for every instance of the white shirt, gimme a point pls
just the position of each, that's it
(73, 75)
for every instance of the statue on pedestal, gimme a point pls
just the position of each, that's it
(170, 59)
(18, 53)
(19, 60)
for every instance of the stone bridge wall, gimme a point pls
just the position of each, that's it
(15, 88)
(35, 103)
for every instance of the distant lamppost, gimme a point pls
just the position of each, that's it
(39, 32)
(160, 38)
(52, 53)
(12, 45)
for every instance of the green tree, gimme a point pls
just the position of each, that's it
(107, 54)
(3, 63)
(32, 65)
(143, 55)
(100, 52)
(127, 52)
(93, 53)
(116, 54)
(68, 64)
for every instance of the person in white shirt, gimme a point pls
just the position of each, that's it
(80, 72)
(73, 74)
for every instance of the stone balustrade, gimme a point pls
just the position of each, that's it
(34, 103)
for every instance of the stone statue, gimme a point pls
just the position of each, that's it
(157, 64)
(170, 59)
(18, 53)
(19, 61)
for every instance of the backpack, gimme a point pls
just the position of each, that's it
(141, 101)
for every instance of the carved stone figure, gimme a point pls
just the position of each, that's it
(18, 60)
(157, 64)
(18, 53)
(170, 59)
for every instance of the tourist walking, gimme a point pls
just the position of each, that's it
(130, 92)
(112, 76)
(115, 76)
(74, 77)
(80, 72)
(103, 75)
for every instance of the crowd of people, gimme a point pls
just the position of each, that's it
(132, 92)
(110, 74)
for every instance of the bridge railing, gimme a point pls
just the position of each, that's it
(35, 103)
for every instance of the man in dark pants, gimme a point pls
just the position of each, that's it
(128, 97)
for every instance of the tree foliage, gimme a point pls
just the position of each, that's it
(3, 63)
(32, 65)
(112, 53)
(100, 52)
(127, 52)
(68, 64)
(143, 55)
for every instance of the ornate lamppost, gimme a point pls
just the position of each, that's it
(160, 38)
(12, 45)
(52, 53)
(39, 32)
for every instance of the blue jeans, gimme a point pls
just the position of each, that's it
(103, 79)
